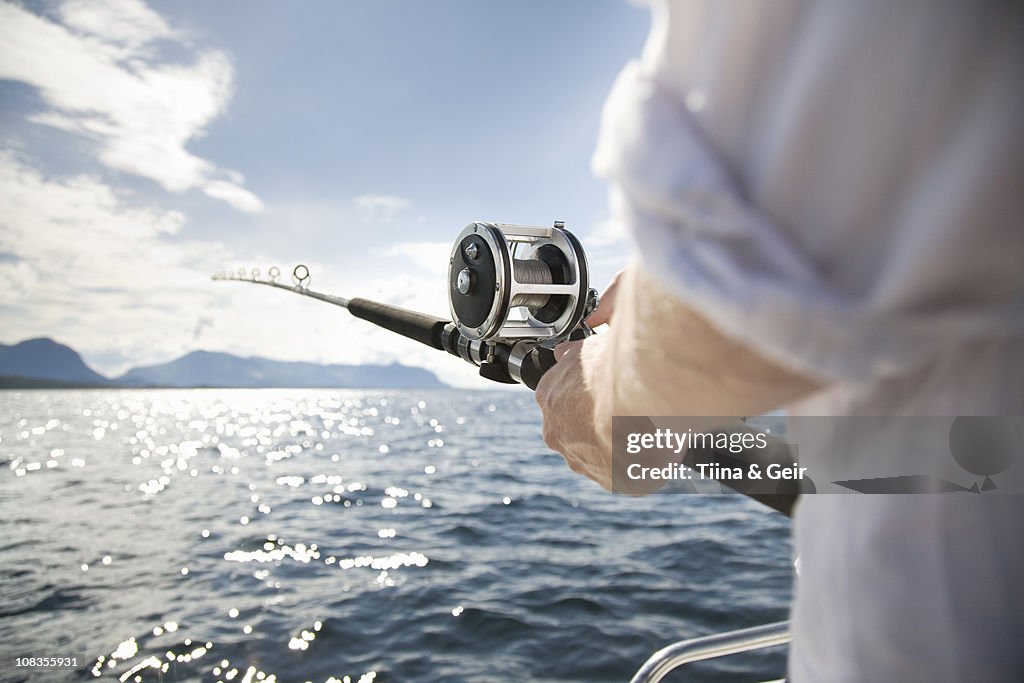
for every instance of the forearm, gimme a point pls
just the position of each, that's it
(665, 359)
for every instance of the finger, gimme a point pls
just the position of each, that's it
(606, 304)
(564, 348)
(601, 315)
(575, 465)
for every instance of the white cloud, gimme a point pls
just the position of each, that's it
(381, 208)
(233, 194)
(126, 22)
(97, 73)
(116, 281)
(93, 270)
(608, 232)
(609, 250)
(431, 257)
(77, 233)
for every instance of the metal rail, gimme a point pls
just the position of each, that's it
(675, 655)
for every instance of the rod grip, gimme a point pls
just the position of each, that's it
(535, 364)
(425, 329)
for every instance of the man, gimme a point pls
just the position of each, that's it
(826, 201)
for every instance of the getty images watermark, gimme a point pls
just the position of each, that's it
(775, 455)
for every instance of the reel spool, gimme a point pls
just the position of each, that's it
(495, 268)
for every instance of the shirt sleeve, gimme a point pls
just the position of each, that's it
(750, 278)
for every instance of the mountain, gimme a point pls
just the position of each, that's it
(45, 359)
(207, 368)
(44, 363)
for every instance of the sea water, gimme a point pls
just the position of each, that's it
(300, 535)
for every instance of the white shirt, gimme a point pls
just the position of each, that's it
(840, 186)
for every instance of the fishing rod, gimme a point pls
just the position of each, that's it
(495, 271)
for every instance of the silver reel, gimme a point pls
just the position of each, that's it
(496, 269)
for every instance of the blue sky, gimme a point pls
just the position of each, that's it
(144, 146)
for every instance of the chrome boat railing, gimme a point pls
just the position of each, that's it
(675, 655)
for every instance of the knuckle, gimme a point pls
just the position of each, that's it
(549, 436)
(548, 432)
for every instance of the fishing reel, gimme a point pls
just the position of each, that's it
(498, 270)
(514, 289)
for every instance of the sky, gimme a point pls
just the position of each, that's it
(144, 147)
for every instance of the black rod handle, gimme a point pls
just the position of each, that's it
(426, 329)
(535, 364)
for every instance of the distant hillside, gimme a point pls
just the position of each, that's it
(206, 368)
(45, 359)
(43, 363)
(17, 382)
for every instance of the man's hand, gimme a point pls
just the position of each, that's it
(569, 394)
(658, 357)
(566, 396)
(575, 428)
